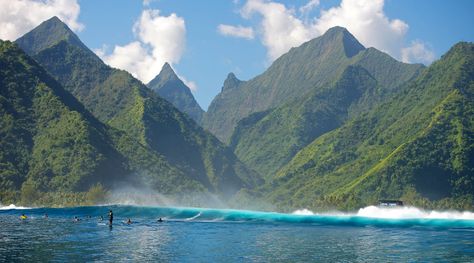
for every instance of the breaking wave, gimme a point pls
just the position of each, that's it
(12, 206)
(367, 216)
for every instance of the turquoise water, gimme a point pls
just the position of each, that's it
(213, 235)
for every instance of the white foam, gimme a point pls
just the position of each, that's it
(410, 212)
(303, 212)
(12, 206)
(194, 217)
(402, 212)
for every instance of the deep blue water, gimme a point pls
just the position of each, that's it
(211, 235)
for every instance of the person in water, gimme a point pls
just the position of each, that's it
(101, 218)
(76, 219)
(23, 217)
(160, 220)
(129, 222)
(111, 217)
(45, 215)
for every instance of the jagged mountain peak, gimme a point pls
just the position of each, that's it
(231, 82)
(47, 34)
(169, 86)
(167, 72)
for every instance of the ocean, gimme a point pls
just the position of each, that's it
(372, 234)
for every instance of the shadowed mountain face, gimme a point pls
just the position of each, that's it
(168, 85)
(121, 101)
(313, 65)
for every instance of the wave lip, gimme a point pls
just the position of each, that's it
(13, 207)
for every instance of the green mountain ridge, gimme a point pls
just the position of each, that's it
(168, 85)
(49, 140)
(121, 101)
(418, 146)
(270, 142)
(367, 77)
(313, 65)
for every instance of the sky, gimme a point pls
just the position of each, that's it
(205, 40)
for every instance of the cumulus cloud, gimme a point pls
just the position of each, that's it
(19, 17)
(418, 52)
(236, 31)
(281, 28)
(368, 22)
(159, 39)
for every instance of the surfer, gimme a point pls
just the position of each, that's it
(45, 215)
(101, 218)
(159, 220)
(23, 217)
(129, 222)
(111, 217)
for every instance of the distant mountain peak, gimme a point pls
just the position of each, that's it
(167, 73)
(340, 34)
(170, 87)
(231, 82)
(47, 34)
(337, 29)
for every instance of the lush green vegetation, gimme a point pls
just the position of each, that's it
(418, 146)
(316, 64)
(170, 87)
(51, 146)
(267, 143)
(123, 102)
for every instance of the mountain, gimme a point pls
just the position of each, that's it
(268, 140)
(418, 146)
(123, 102)
(168, 85)
(315, 64)
(49, 140)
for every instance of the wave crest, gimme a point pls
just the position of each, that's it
(12, 207)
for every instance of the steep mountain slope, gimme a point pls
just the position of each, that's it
(123, 102)
(48, 138)
(313, 65)
(268, 143)
(417, 146)
(168, 85)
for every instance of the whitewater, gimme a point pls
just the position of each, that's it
(188, 234)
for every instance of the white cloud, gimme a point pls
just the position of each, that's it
(236, 31)
(19, 17)
(308, 7)
(366, 20)
(418, 52)
(159, 39)
(280, 28)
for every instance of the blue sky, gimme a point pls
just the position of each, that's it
(252, 33)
